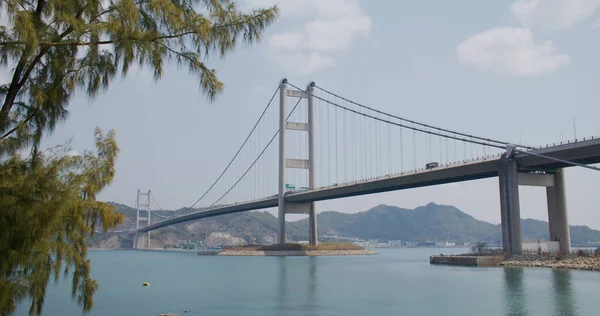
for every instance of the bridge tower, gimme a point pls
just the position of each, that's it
(142, 204)
(284, 162)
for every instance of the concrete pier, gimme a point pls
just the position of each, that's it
(557, 213)
(509, 205)
(465, 260)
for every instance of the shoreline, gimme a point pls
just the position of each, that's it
(582, 262)
(310, 253)
(151, 249)
(570, 262)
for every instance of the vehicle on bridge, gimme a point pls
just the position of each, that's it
(300, 189)
(432, 165)
(292, 188)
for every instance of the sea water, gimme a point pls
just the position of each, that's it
(393, 282)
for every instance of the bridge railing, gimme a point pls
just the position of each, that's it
(568, 141)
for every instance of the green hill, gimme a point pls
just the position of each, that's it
(431, 222)
(426, 223)
(534, 229)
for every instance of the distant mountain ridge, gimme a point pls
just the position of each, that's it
(431, 222)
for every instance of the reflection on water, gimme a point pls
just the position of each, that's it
(312, 296)
(564, 300)
(297, 286)
(514, 292)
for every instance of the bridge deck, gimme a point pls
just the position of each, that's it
(586, 152)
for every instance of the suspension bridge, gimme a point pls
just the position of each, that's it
(323, 146)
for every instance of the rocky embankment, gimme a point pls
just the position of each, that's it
(589, 263)
(295, 253)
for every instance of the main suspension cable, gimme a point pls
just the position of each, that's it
(418, 123)
(257, 158)
(403, 125)
(240, 149)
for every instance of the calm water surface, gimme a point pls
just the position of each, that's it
(394, 282)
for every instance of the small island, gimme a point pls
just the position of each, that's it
(289, 249)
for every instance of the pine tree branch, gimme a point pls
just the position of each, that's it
(45, 50)
(18, 81)
(105, 42)
(27, 119)
(139, 39)
(12, 91)
(109, 10)
(35, 110)
(177, 52)
(20, 4)
(39, 8)
(252, 18)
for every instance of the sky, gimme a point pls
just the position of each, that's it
(524, 70)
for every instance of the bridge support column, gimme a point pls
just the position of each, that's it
(313, 237)
(282, 127)
(509, 206)
(139, 241)
(557, 213)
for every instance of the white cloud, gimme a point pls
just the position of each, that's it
(303, 63)
(290, 41)
(510, 51)
(336, 34)
(327, 27)
(596, 25)
(322, 8)
(553, 14)
(72, 153)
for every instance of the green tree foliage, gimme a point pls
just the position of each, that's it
(57, 46)
(53, 49)
(47, 211)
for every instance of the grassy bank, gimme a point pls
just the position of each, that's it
(329, 246)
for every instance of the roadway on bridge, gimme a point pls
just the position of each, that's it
(586, 152)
